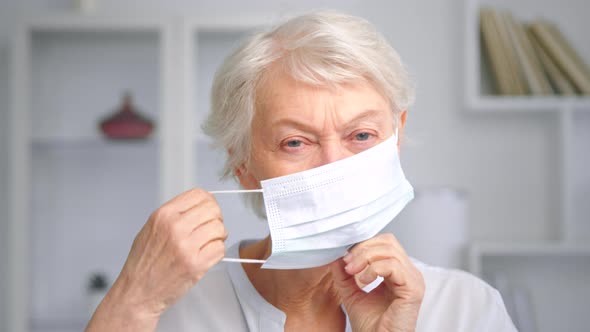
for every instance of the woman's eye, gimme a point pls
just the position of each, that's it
(362, 136)
(294, 143)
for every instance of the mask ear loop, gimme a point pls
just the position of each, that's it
(239, 191)
(243, 260)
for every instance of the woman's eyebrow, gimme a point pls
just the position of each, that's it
(373, 115)
(290, 122)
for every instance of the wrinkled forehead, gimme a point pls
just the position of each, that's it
(277, 86)
(283, 101)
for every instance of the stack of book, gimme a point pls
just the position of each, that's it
(531, 58)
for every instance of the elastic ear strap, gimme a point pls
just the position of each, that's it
(243, 260)
(396, 135)
(239, 191)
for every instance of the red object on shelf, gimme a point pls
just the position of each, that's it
(126, 123)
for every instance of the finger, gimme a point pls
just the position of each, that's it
(198, 197)
(213, 230)
(344, 283)
(211, 253)
(391, 269)
(361, 284)
(360, 258)
(200, 214)
(386, 239)
(187, 200)
(206, 203)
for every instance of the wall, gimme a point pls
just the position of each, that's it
(3, 176)
(5, 11)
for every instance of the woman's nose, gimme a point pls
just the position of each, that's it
(332, 151)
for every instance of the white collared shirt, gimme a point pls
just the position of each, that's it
(225, 300)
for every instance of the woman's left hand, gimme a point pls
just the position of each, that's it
(395, 303)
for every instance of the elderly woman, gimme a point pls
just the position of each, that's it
(310, 114)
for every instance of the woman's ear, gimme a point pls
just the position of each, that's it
(246, 179)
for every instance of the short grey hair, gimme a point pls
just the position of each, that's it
(320, 49)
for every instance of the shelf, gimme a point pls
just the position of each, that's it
(579, 177)
(71, 187)
(83, 185)
(94, 69)
(69, 21)
(550, 280)
(478, 79)
(89, 141)
(79, 195)
(477, 251)
(42, 325)
(568, 114)
(228, 24)
(551, 277)
(528, 104)
(526, 274)
(530, 249)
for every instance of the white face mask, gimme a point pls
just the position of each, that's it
(314, 216)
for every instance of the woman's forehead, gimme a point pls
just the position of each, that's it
(283, 97)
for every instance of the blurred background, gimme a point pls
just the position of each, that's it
(101, 103)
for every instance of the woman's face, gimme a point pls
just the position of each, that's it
(297, 127)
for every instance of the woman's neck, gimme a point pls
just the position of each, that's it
(305, 294)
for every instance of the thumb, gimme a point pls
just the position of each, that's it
(344, 283)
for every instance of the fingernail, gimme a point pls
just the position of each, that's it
(348, 267)
(347, 257)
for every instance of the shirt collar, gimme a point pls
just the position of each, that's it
(260, 315)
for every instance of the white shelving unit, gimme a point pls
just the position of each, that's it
(562, 266)
(554, 278)
(77, 199)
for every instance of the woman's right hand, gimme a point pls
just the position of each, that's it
(178, 244)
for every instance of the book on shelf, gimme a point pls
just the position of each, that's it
(494, 42)
(562, 57)
(568, 48)
(560, 83)
(532, 69)
(510, 52)
(531, 59)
